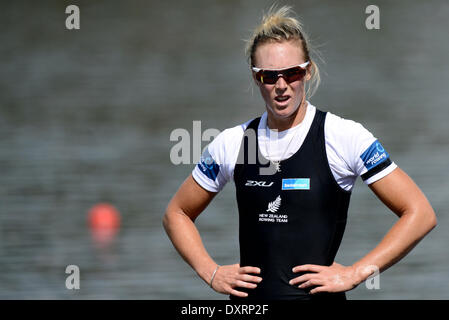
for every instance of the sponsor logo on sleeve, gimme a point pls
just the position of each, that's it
(374, 155)
(208, 166)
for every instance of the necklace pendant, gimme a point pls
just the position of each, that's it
(277, 165)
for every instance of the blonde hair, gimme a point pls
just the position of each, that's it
(278, 25)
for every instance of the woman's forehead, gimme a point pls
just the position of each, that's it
(278, 54)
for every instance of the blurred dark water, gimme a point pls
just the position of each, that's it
(86, 117)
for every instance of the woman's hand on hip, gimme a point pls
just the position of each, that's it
(229, 277)
(335, 278)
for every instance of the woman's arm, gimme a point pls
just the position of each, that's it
(185, 206)
(416, 218)
(182, 210)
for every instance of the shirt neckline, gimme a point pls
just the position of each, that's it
(268, 133)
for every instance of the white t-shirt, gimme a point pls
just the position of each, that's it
(351, 150)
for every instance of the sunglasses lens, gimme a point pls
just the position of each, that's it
(290, 75)
(294, 74)
(268, 77)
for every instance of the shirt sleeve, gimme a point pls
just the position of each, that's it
(209, 171)
(353, 151)
(375, 162)
(216, 165)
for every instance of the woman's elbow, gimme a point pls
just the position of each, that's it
(167, 220)
(174, 217)
(428, 218)
(423, 217)
(432, 220)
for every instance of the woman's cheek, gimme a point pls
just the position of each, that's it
(266, 94)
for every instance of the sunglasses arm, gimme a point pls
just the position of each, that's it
(303, 65)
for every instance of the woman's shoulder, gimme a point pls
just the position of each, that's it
(347, 132)
(341, 125)
(346, 137)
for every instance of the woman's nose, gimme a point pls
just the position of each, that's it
(281, 83)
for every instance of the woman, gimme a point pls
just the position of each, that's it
(293, 198)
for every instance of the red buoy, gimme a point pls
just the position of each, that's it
(104, 216)
(104, 222)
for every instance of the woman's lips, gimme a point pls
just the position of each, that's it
(282, 100)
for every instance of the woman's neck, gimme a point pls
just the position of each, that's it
(281, 124)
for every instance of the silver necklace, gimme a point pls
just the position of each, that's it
(277, 163)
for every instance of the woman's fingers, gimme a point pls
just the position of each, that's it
(243, 284)
(244, 279)
(307, 280)
(238, 293)
(321, 289)
(302, 278)
(249, 278)
(231, 277)
(308, 267)
(244, 270)
(334, 278)
(312, 282)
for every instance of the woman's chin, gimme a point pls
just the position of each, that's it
(282, 111)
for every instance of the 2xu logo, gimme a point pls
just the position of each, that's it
(251, 183)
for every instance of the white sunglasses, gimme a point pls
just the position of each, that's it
(290, 74)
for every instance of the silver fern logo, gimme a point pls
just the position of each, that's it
(274, 206)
